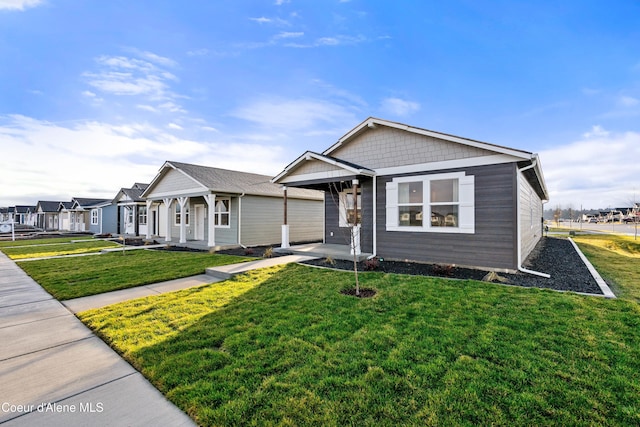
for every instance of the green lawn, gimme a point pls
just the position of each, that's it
(617, 259)
(44, 241)
(49, 249)
(74, 277)
(283, 346)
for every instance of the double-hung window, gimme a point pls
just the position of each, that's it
(438, 203)
(142, 215)
(221, 212)
(179, 213)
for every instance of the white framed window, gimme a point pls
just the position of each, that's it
(222, 213)
(128, 219)
(346, 209)
(94, 216)
(438, 203)
(142, 215)
(178, 213)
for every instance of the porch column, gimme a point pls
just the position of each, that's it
(183, 223)
(211, 217)
(149, 203)
(167, 206)
(285, 225)
(136, 224)
(355, 230)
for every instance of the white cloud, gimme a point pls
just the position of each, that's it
(129, 76)
(598, 171)
(288, 35)
(198, 52)
(307, 116)
(19, 4)
(399, 107)
(261, 20)
(43, 160)
(596, 131)
(628, 101)
(174, 126)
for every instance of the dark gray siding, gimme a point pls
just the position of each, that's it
(341, 235)
(493, 245)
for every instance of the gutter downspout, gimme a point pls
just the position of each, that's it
(240, 221)
(519, 231)
(375, 219)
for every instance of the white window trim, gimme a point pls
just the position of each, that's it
(217, 215)
(466, 203)
(142, 215)
(95, 217)
(175, 214)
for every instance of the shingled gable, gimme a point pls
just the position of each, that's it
(225, 181)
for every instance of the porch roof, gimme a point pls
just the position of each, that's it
(339, 170)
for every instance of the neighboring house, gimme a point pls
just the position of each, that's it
(132, 215)
(6, 214)
(427, 196)
(88, 215)
(25, 215)
(219, 207)
(47, 215)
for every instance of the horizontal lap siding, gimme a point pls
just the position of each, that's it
(491, 246)
(530, 217)
(262, 219)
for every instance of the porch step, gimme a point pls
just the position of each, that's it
(228, 271)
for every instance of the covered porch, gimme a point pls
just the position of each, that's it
(349, 204)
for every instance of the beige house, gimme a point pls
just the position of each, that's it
(214, 207)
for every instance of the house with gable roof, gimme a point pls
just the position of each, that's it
(132, 214)
(410, 193)
(47, 215)
(213, 207)
(92, 215)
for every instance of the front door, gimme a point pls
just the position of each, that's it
(199, 212)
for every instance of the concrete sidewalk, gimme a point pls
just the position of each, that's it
(77, 305)
(55, 372)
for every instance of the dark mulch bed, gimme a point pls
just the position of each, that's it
(170, 248)
(364, 292)
(553, 256)
(255, 251)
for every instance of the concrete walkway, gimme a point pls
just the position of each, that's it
(55, 372)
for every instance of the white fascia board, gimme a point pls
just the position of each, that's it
(345, 170)
(448, 164)
(538, 170)
(316, 176)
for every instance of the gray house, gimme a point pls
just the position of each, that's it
(213, 207)
(88, 215)
(415, 194)
(132, 215)
(47, 215)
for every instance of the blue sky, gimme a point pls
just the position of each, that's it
(96, 95)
